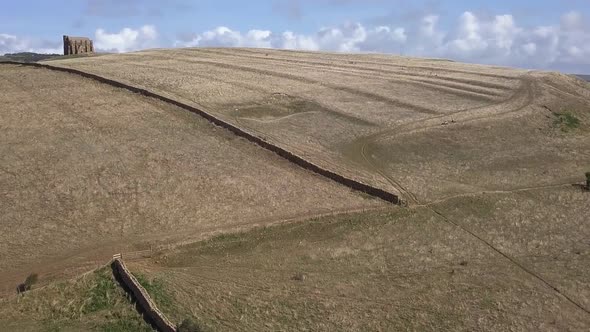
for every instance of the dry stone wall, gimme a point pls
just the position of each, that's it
(142, 297)
(351, 183)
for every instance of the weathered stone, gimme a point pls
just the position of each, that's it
(77, 45)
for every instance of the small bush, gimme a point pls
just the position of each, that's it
(190, 325)
(28, 284)
(566, 121)
(587, 176)
(31, 280)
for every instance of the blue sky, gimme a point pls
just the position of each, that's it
(544, 34)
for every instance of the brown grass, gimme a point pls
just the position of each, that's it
(389, 271)
(93, 302)
(381, 119)
(88, 170)
(495, 238)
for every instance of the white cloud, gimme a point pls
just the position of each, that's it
(14, 44)
(127, 39)
(290, 40)
(493, 40)
(350, 37)
(226, 37)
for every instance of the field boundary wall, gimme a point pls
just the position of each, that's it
(141, 296)
(351, 183)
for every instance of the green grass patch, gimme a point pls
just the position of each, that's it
(92, 303)
(157, 290)
(101, 295)
(566, 121)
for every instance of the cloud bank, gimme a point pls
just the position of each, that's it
(14, 44)
(498, 40)
(127, 39)
(491, 40)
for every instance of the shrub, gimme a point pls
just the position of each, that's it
(566, 121)
(190, 325)
(28, 284)
(31, 280)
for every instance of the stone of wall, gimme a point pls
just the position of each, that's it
(142, 297)
(351, 183)
(77, 45)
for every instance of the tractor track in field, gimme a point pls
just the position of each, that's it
(448, 85)
(353, 65)
(476, 88)
(526, 90)
(393, 102)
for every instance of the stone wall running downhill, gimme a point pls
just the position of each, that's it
(141, 296)
(353, 184)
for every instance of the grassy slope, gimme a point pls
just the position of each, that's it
(406, 269)
(427, 129)
(87, 170)
(93, 302)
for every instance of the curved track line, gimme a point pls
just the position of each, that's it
(249, 88)
(526, 89)
(289, 156)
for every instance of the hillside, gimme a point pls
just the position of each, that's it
(375, 117)
(27, 57)
(88, 170)
(489, 161)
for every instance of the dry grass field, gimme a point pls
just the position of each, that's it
(489, 160)
(492, 128)
(87, 170)
(403, 270)
(92, 302)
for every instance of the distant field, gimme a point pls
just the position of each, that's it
(87, 170)
(584, 77)
(27, 57)
(403, 124)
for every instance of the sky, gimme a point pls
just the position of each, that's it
(535, 34)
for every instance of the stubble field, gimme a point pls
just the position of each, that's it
(87, 171)
(489, 160)
(411, 126)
